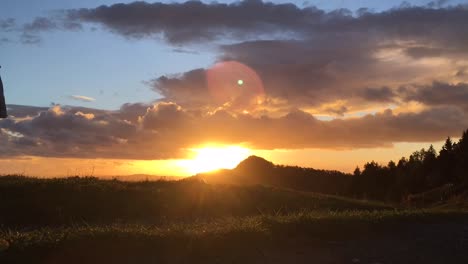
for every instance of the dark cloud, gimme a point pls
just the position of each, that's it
(131, 112)
(287, 68)
(197, 21)
(382, 94)
(313, 61)
(433, 25)
(64, 132)
(302, 130)
(21, 111)
(165, 117)
(323, 70)
(439, 94)
(299, 73)
(332, 59)
(461, 72)
(165, 130)
(430, 28)
(188, 88)
(340, 110)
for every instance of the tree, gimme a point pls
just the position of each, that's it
(422, 171)
(447, 147)
(357, 172)
(461, 151)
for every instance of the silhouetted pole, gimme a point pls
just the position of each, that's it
(3, 109)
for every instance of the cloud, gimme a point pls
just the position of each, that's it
(382, 94)
(40, 24)
(165, 130)
(87, 116)
(189, 87)
(309, 74)
(438, 94)
(30, 33)
(296, 65)
(421, 52)
(360, 67)
(196, 21)
(4, 40)
(31, 39)
(179, 50)
(82, 98)
(7, 25)
(433, 26)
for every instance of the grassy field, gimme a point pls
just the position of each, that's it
(88, 220)
(30, 202)
(344, 237)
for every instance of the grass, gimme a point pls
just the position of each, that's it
(208, 240)
(29, 202)
(87, 220)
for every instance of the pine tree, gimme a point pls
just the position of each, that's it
(448, 146)
(357, 172)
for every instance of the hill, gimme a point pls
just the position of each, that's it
(256, 170)
(28, 202)
(90, 220)
(448, 196)
(258, 212)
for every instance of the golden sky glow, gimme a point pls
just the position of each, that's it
(211, 158)
(207, 158)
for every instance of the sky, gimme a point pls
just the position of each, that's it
(120, 87)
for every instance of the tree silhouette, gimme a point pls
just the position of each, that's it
(424, 170)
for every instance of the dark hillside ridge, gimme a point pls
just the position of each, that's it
(425, 171)
(257, 170)
(29, 202)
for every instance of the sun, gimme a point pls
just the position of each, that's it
(210, 158)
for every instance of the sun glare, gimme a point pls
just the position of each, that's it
(212, 158)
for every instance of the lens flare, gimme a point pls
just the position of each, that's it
(236, 84)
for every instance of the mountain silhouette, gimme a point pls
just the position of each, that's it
(255, 165)
(257, 170)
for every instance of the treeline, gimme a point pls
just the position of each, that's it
(424, 170)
